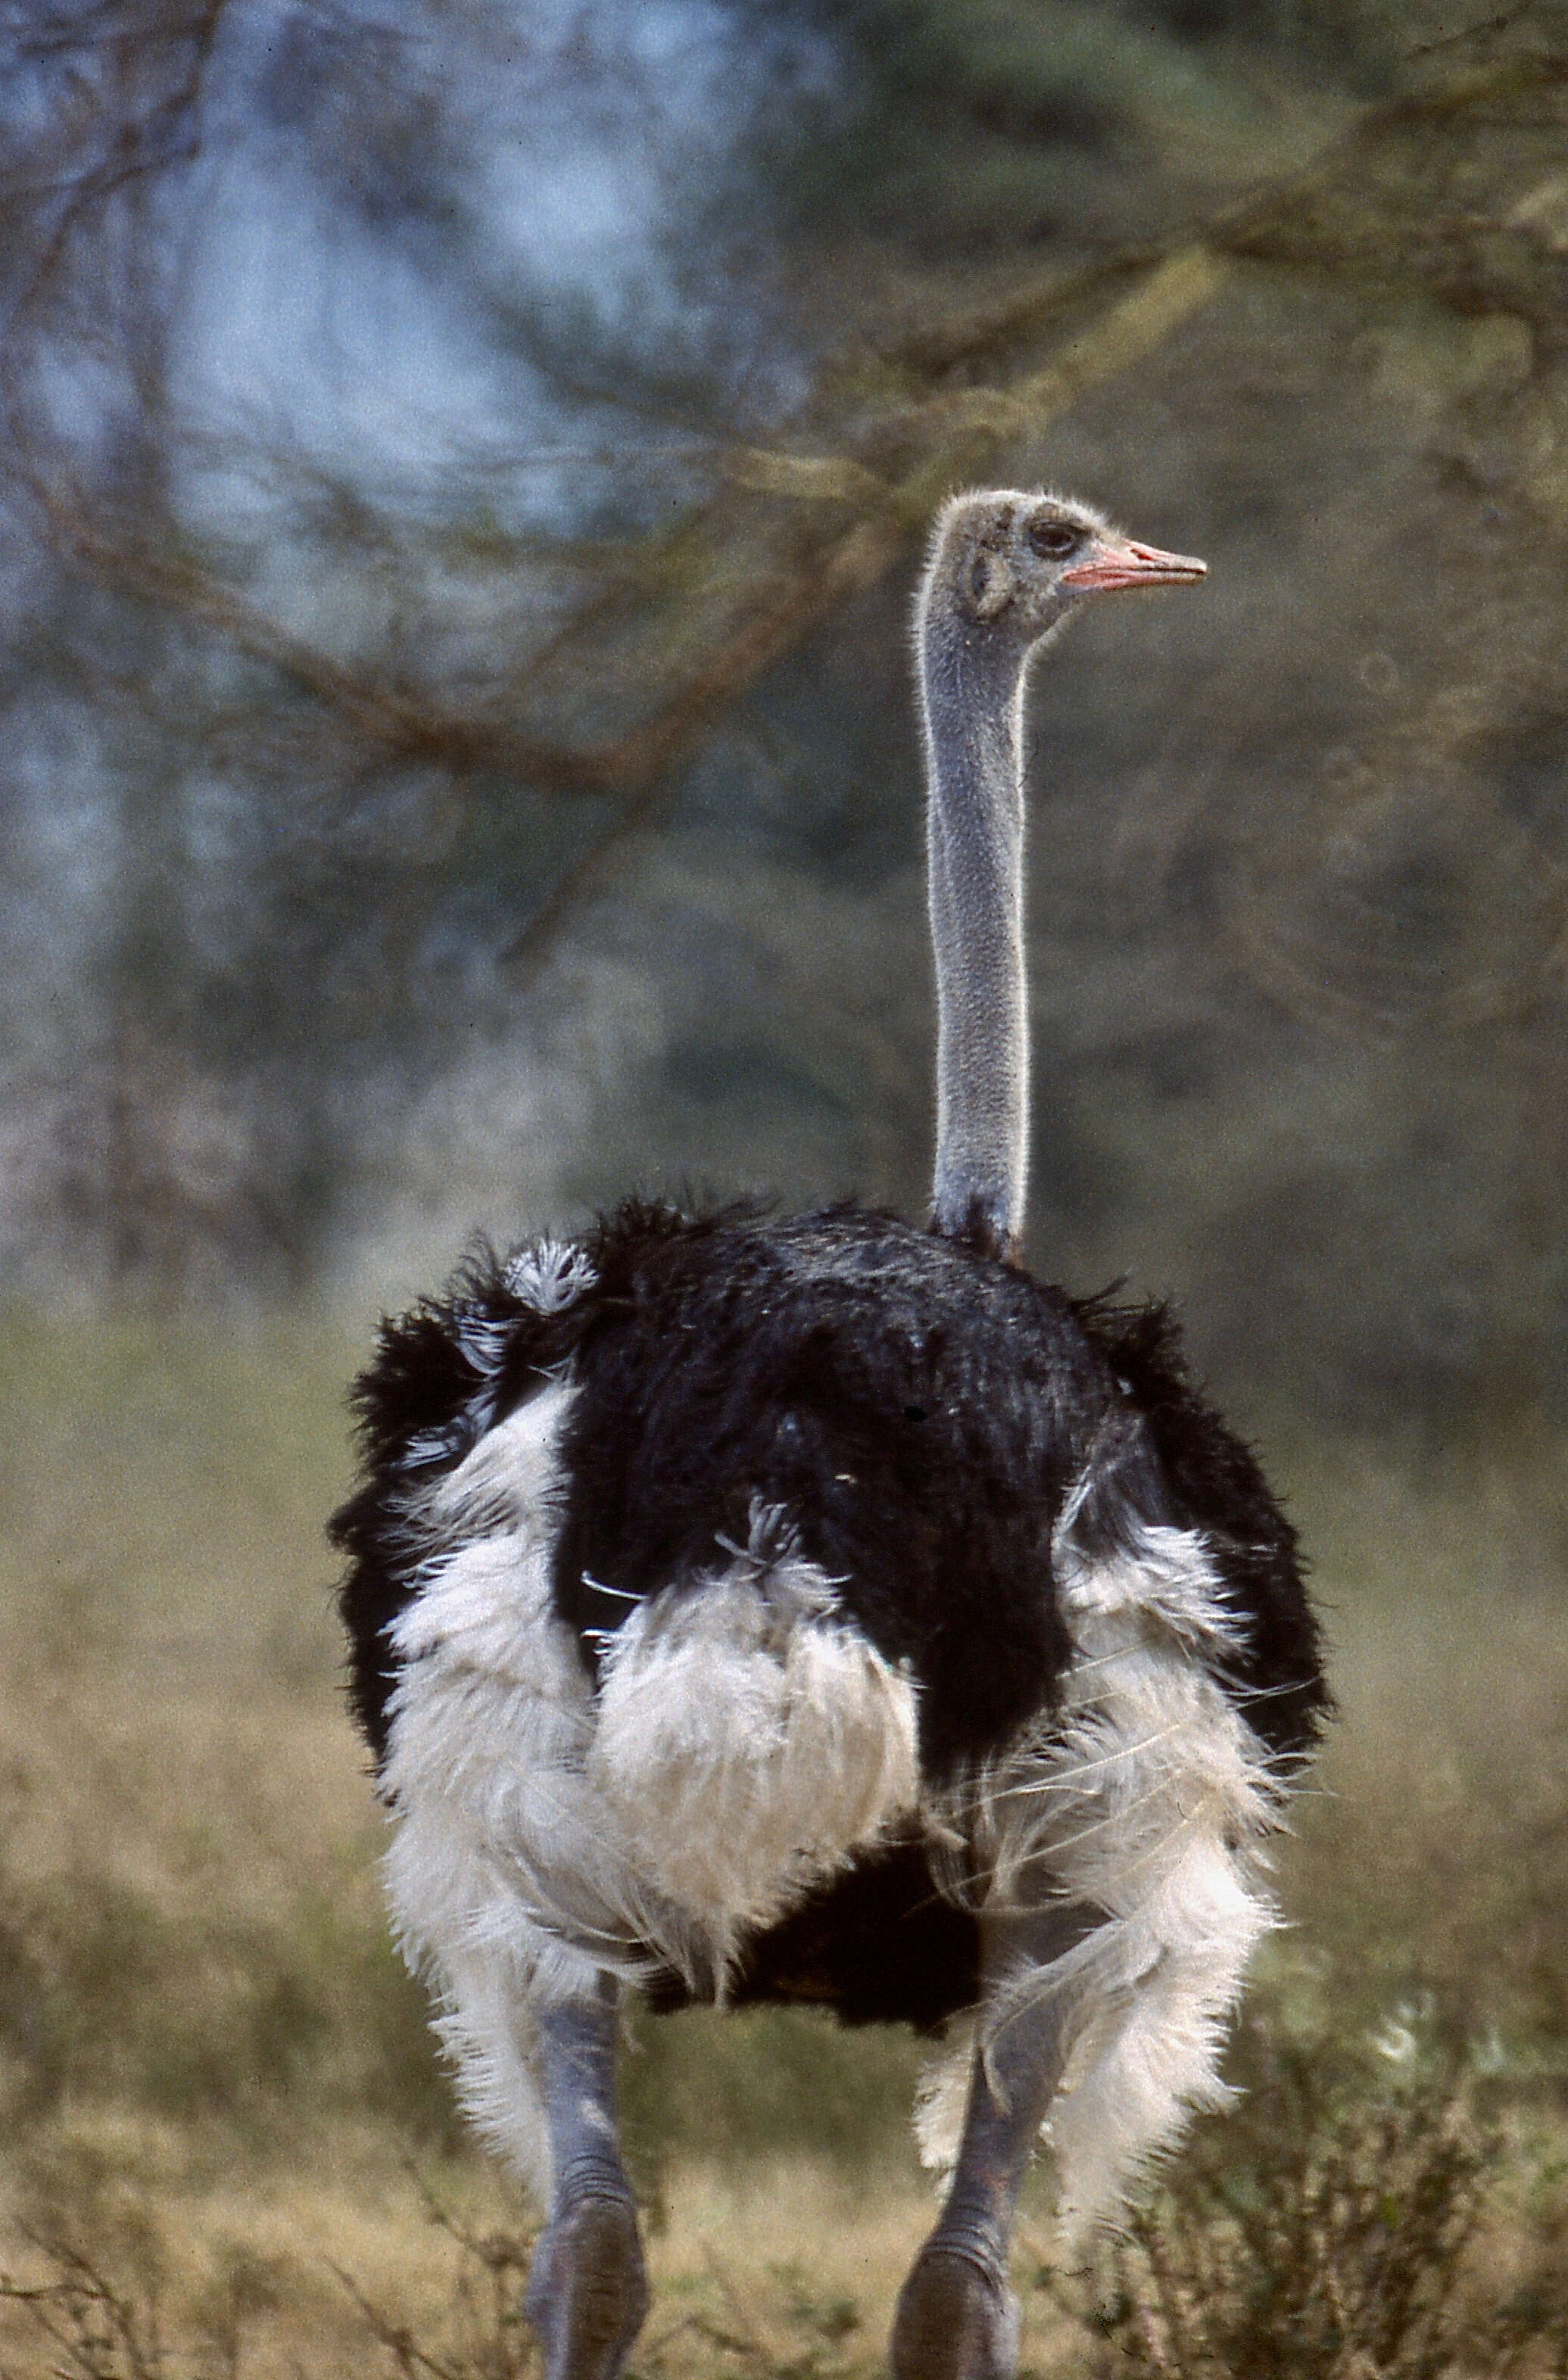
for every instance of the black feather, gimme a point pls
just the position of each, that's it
(920, 1409)
(881, 1944)
(420, 1406)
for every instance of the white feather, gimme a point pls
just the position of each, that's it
(550, 1276)
(749, 1742)
(1147, 1797)
(744, 1743)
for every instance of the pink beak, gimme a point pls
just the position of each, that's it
(1117, 561)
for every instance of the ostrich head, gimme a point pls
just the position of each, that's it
(1013, 565)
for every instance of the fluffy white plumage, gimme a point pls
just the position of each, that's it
(748, 1740)
(745, 1741)
(1147, 1797)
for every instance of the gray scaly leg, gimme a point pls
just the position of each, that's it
(957, 2319)
(588, 2289)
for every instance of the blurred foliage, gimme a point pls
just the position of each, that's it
(461, 482)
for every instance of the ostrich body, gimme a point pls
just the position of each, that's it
(826, 1611)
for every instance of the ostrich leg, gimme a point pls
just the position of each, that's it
(957, 2319)
(587, 2290)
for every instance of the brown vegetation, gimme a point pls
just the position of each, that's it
(229, 2149)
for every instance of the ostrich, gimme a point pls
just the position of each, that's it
(824, 1610)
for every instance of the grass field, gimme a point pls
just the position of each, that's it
(226, 2147)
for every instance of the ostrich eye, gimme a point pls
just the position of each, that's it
(1053, 540)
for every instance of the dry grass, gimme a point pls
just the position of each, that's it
(224, 2146)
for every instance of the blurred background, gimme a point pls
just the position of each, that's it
(463, 472)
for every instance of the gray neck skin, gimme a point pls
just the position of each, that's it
(972, 689)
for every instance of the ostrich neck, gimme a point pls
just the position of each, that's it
(972, 702)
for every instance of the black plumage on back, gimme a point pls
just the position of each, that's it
(921, 1410)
